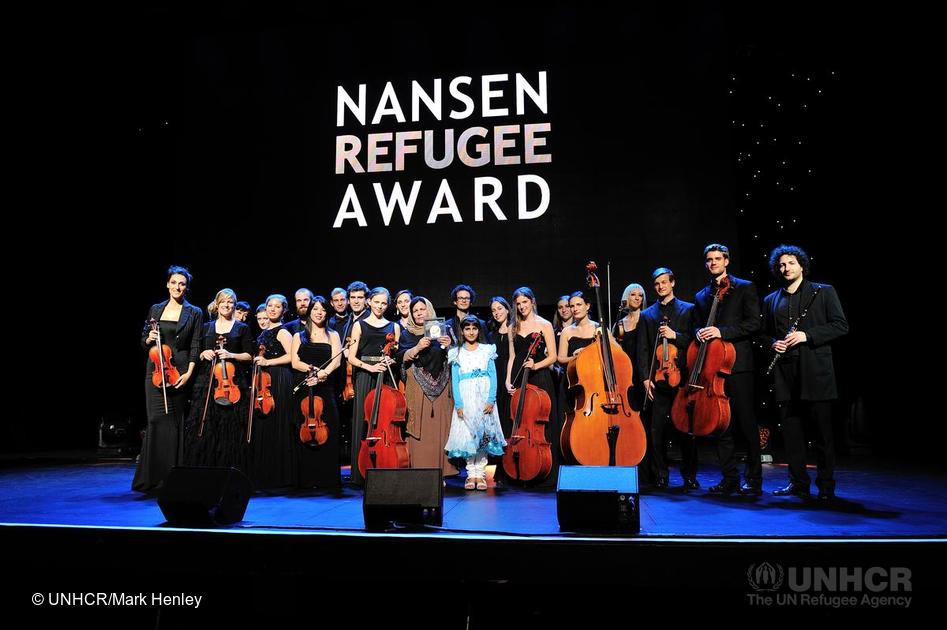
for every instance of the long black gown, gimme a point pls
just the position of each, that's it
(318, 463)
(370, 344)
(163, 446)
(273, 443)
(542, 379)
(223, 442)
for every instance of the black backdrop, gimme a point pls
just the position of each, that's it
(204, 136)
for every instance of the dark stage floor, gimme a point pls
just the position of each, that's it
(78, 527)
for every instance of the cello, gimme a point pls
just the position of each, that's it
(702, 407)
(529, 455)
(165, 373)
(604, 429)
(385, 408)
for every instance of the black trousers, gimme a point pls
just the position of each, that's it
(793, 415)
(739, 387)
(658, 416)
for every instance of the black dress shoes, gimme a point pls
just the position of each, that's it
(751, 489)
(661, 482)
(793, 489)
(826, 490)
(726, 486)
(690, 483)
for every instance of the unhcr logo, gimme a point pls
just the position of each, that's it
(765, 577)
(835, 587)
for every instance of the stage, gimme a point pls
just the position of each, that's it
(500, 552)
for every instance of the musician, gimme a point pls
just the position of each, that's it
(303, 299)
(349, 307)
(563, 316)
(427, 390)
(317, 343)
(804, 376)
(179, 323)
(625, 330)
(221, 439)
(526, 322)
(273, 443)
(403, 307)
(668, 318)
(365, 355)
(340, 303)
(738, 321)
(242, 310)
(262, 319)
(501, 322)
(463, 296)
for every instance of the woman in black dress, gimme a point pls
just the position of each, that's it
(633, 301)
(273, 444)
(220, 440)
(180, 324)
(365, 354)
(499, 335)
(313, 347)
(525, 324)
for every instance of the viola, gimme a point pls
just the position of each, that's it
(702, 407)
(528, 456)
(666, 355)
(313, 428)
(165, 374)
(603, 429)
(385, 408)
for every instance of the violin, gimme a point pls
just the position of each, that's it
(348, 392)
(385, 407)
(529, 455)
(263, 401)
(165, 373)
(226, 392)
(313, 428)
(260, 394)
(702, 407)
(666, 355)
(603, 429)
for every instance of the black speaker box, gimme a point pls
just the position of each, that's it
(204, 497)
(598, 499)
(406, 496)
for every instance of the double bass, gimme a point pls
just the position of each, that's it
(385, 409)
(603, 429)
(702, 407)
(165, 373)
(529, 455)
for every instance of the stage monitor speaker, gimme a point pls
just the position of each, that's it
(600, 499)
(406, 496)
(204, 497)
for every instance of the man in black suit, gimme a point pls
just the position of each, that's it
(800, 321)
(738, 321)
(668, 318)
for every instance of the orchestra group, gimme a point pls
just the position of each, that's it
(411, 389)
